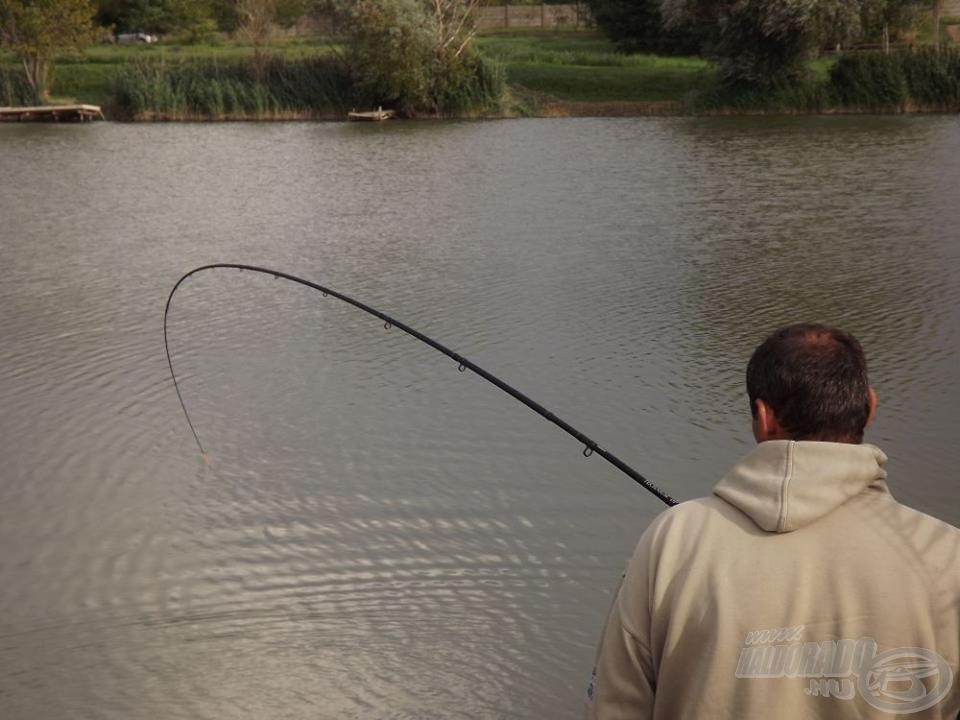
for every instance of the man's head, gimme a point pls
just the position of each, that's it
(809, 382)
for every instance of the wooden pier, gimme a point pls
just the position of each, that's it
(374, 115)
(51, 113)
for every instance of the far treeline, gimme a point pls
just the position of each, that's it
(419, 57)
(762, 41)
(414, 56)
(763, 50)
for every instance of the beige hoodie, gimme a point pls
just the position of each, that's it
(801, 590)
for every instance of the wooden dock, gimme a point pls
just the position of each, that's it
(374, 115)
(51, 113)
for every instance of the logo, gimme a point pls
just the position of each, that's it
(894, 681)
(899, 681)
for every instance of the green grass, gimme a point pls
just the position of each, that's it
(289, 48)
(581, 66)
(820, 68)
(86, 83)
(525, 44)
(88, 76)
(575, 83)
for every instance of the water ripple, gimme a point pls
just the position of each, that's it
(379, 535)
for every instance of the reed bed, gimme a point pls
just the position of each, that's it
(233, 89)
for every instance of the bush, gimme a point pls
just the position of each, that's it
(407, 57)
(869, 80)
(637, 26)
(201, 32)
(762, 43)
(890, 81)
(391, 53)
(469, 85)
(803, 96)
(933, 78)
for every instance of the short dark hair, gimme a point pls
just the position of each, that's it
(814, 378)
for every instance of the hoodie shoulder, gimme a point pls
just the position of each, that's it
(691, 520)
(929, 546)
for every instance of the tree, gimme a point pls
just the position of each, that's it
(189, 19)
(288, 12)
(454, 29)
(417, 55)
(390, 51)
(936, 10)
(882, 19)
(224, 13)
(757, 42)
(837, 22)
(765, 42)
(256, 24)
(38, 31)
(126, 16)
(637, 26)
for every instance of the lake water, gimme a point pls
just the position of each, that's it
(378, 535)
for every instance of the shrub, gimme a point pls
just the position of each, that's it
(889, 81)
(762, 43)
(869, 80)
(417, 60)
(637, 26)
(933, 78)
(806, 95)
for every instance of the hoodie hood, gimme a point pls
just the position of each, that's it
(783, 485)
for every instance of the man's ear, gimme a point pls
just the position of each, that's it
(765, 425)
(871, 405)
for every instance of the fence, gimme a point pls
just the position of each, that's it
(575, 15)
(557, 17)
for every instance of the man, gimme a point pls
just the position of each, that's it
(801, 589)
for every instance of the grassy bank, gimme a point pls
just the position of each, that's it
(302, 78)
(545, 70)
(90, 76)
(548, 72)
(319, 87)
(579, 73)
(579, 67)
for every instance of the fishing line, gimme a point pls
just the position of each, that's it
(589, 446)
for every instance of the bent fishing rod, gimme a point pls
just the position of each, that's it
(589, 446)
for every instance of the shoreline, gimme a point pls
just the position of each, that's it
(553, 109)
(544, 75)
